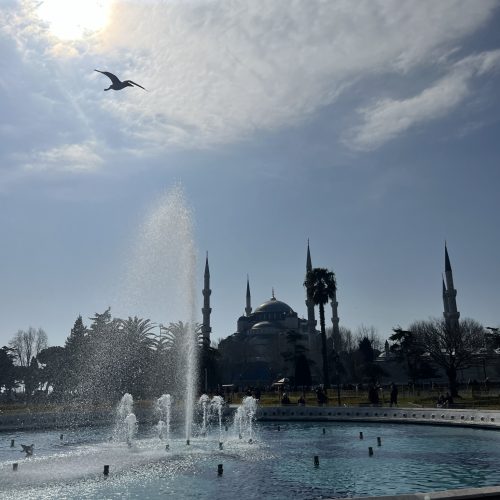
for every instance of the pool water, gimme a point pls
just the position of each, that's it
(278, 464)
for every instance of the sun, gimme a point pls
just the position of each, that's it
(74, 19)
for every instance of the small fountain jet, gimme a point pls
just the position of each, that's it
(117, 84)
(28, 449)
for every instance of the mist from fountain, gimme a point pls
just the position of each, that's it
(216, 405)
(204, 402)
(163, 408)
(161, 283)
(244, 418)
(123, 419)
(130, 427)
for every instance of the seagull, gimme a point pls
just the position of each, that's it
(28, 449)
(118, 84)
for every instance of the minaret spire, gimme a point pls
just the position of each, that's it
(206, 329)
(248, 308)
(311, 320)
(451, 313)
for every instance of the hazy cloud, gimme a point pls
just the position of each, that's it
(388, 118)
(219, 71)
(67, 158)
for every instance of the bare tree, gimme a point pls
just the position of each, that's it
(28, 344)
(451, 348)
(347, 339)
(371, 333)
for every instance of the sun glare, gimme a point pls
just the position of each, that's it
(74, 19)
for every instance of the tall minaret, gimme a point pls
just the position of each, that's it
(311, 320)
(206, 329)
(450, 313)
(445, 300)
(248, 308)
(335, 315)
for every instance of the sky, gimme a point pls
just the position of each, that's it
(369, 128)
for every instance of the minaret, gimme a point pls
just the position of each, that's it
(451, 313)
(311, 320)
(445, 300)
(206, 329)
(248, 308)
(335, 315)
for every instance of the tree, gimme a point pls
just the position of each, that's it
(31, 378)
(52, 373)
(321, 287)
(450, 347)
(135, 351)
(410, 351)
(7, 370)
(27, 344)
(370, 333)
(367, 354)
(76, 357)
(102, 357)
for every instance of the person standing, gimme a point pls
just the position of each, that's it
(394, 394)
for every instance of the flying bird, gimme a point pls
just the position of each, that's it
(117, 84)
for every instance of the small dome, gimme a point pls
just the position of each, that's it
(274, 305)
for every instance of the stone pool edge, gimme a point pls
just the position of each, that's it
(457, 494)
(470, 418)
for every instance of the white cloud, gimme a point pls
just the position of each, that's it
(218, 71)
(73, 158)
(388, 118)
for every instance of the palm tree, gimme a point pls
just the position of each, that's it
(134, 345)
(321, 286)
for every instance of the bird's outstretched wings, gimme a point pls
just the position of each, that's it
(114, 79)
(136, 84)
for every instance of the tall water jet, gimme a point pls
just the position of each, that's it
(161, 285)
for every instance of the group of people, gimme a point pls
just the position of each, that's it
(285, 400)
(374, 398)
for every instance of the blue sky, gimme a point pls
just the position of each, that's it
(369, 127)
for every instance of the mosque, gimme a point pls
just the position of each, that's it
(271, 341)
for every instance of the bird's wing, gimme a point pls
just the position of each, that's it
(136, 84)
(114, 79)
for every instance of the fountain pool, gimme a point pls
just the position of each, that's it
(277, 464)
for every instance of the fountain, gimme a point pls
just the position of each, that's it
(244, 418)
(161, 283)
(125, 420)
(72, 467)
(216, 405)
(131, 428)
(203, 402)
(163, 409)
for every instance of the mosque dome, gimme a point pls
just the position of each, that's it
(261, 325)
(274, 306)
